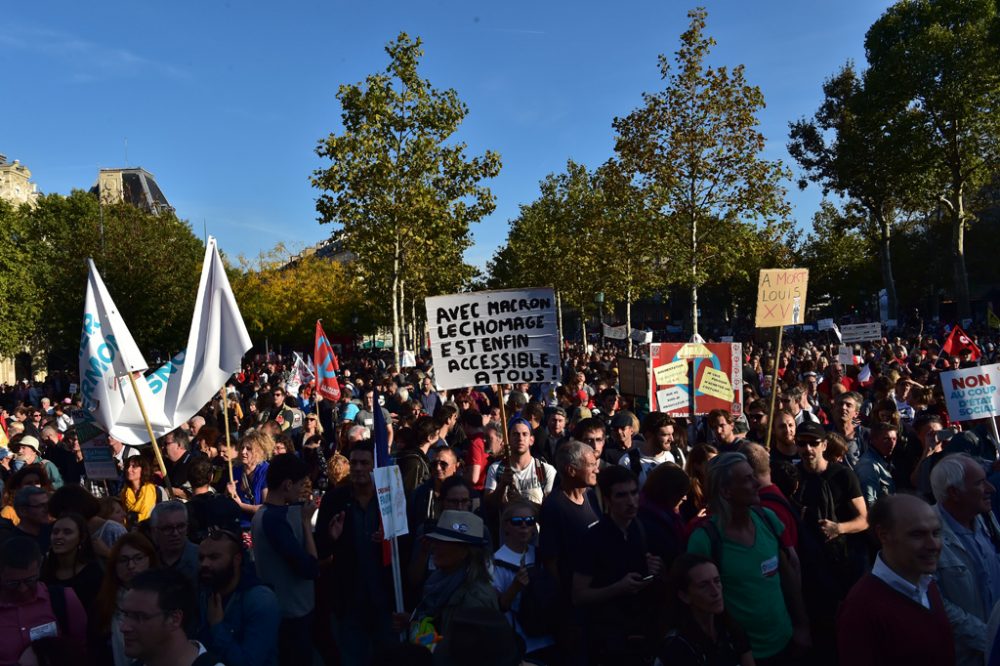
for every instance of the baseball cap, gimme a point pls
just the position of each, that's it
(810, 430)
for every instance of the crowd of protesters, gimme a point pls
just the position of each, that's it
(552, 523)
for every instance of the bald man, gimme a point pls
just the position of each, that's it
(895, 614)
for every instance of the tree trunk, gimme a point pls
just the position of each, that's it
(884, 220)
(958, 253)
(559, 321)
(404, 326)
(628, 320)
(694, 275)
(583, 327)
(396, 305)
(414, 343)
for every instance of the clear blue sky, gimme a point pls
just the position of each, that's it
(224, 101)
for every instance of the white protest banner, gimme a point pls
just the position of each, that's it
(972, 393)
(494, 337)
(614, 332)
(408, 360)
(860, 332)
(391, 500)
(642, 337)
(671, 397)
(824, 324)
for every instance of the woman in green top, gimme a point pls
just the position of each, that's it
(742, 539)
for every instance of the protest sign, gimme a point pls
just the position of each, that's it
(614, 332)
(408, 360)
(845, 354)
(73, 388)
(493, 337)
(671, 373)
(98, 461)
(824, 324)
(718, 375)
(972, 393)
(860, 332)
(632, 379)
(391, 500)
(642, 337)
(781, 297)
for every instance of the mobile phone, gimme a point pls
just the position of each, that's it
(944, 435)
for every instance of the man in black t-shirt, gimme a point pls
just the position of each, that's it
(613, 575)
(831, 547)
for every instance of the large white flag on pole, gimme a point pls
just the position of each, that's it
(107, 354)
(215, 348)
(174, 392)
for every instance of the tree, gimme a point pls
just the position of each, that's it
(937, 60)
(19, 313)
(150, 263)
(282, 298)
(631, 241)
(401, 196)
(865, 159)
(838, 257)
(696, 150)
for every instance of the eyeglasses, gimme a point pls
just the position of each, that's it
(30, 581)
(522, 521)
(755, 417)
(178, 528)
(811, 443)
(136, 617)
(135, 560)
(442, 464)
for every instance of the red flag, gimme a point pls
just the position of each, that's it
(957, 342)
(326, 366)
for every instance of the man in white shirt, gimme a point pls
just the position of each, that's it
(522, 476)
(655, 448)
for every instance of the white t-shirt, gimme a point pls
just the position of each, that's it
(647, 463)
(526, 481)
(503, 578)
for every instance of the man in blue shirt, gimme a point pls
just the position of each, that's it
(873, 469)
(285, 555)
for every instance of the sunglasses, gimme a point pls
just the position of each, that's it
(442, 464)
(522, 521)
(218, 534)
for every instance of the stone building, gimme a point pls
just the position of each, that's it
(15, 183)
(134, 186)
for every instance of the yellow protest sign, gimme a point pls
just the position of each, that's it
(716, 384)
(694, 350)
(781, 297)
(671, 373)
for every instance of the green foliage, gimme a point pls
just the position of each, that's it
(839, 259)
(281, 300)
(150, 263)
(696, 151)
(401, 194)
(936, 61)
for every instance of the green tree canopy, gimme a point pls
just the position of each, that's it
(400, 191)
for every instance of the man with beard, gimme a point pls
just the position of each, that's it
(239, 615)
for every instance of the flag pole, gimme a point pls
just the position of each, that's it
(152, 438)
(225, 416)
(774, 390)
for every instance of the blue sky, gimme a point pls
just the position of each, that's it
(225, 101)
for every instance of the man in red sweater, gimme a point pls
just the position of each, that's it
(895, 615)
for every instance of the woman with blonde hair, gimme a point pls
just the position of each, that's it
(249, 485)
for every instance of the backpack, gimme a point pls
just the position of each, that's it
(715, 536)
(539, 474)
(538, 612)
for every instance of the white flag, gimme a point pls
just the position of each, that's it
(216, 344)
(174, 392)
(107, 355)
